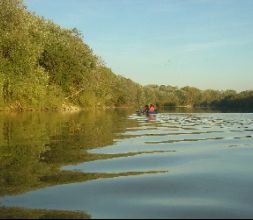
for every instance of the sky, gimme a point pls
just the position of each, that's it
(203, 43)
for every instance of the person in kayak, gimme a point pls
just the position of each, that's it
(146, 109)
(152, 108)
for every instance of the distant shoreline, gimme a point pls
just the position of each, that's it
(76, 109)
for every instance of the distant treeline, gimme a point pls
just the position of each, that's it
(192, 97)
(44, 66)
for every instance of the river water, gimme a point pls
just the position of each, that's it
(117, 164)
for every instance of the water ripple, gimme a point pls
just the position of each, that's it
(193, 166)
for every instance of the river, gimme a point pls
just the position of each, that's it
(116, 164)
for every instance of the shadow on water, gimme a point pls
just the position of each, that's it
(35, 146)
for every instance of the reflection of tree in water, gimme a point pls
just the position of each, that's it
(20, 148)
(20, 213)
(33, 147)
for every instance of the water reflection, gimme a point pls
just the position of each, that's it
(34, 147)
(21, 213)
(204, 157)
(151, 118)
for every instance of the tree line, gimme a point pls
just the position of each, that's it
(44, 66)
(170, 96)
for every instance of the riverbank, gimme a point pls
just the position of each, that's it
(68, 108)
(19, 108)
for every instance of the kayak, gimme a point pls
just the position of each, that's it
(152, 113)
(147, 113)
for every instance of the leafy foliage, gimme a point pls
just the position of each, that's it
(43, 65)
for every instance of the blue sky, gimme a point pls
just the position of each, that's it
(201, 43)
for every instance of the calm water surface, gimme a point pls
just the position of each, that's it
(121, 165)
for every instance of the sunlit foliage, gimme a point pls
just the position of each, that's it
(44, 65)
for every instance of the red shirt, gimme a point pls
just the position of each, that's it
(152, 109)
